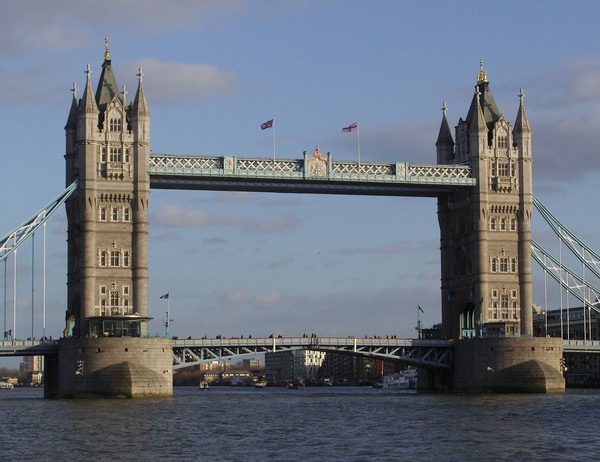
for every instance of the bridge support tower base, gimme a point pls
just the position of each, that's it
(114, 367)
(509, 365)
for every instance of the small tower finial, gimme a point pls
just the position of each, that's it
(88, 72)
(521, 95)
(140, 74)
(74, 90)
(444, 108)
(106, 51)
(482, 76)
(124, 94)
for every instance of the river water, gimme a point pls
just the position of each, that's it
(307, 424)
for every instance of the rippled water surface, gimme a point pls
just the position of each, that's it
(309, 424)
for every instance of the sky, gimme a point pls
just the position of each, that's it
(257, 263)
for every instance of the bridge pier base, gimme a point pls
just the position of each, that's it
(508, 365)
(124, 367)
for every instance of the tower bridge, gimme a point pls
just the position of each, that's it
(482, 182)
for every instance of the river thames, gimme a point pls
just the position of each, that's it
(307, 424)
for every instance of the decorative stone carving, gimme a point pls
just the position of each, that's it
(317, 164)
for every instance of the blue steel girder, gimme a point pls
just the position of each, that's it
(11, 242)
(317, 175)
(431, 354)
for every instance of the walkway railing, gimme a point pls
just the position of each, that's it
(314, 172)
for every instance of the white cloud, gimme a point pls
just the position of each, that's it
(173, 82)
(174, 216)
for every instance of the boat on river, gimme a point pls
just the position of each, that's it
(260, 384)
(203, 385)
(6, 385)
(395, 381)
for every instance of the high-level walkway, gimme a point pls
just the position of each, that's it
(316, 173)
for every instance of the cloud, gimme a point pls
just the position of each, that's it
(390, 249)
(173, 82)
(173, 216)
(66, 24)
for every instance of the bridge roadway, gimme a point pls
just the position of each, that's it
(430, 354)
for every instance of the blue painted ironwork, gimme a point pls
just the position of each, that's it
(578, 286)
(315, 173)
(432, 354)
(12, 241)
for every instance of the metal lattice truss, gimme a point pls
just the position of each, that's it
(11, 242)
(419, 353)
(314, 172)
(576, 284)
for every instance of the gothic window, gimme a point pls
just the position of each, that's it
(103, 155)
(513, 293)
(127, 155)
(115, 258)
(503, 141)
(494, 293)
(504, 265)
(115, 154)
(114, 214)
(102, 214)
(126, 214)
(102, 290)
(494, 265)
(114, 298)
(513, 224)
(513, 265)
(126, 258)
(503, 224)
(504, 301)
(125, 290)
(502, 169)
(493, 224)
(115, 125)
(103, 258)
(513, 170)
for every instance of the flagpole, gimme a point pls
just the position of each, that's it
(358, 140)
(273, 140)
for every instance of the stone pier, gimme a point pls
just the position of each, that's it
(125, 367)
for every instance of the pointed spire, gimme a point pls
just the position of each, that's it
(444, 135)
(72, 119)
(476, 118)
(107, 84)
(106, 50)
(88, 103)
(490, 110)
(140, 105)
(482, 76)
(521, 123)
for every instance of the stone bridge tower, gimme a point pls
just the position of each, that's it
(104, 351)
(486, 231)
(107, 151)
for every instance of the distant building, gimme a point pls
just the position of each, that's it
(577, 324)
(581, 369)
(290, 365)
(251, 364)
(343, 368)
(33, 367)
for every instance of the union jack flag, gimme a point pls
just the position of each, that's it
(267, 124)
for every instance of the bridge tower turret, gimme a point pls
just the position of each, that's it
(485, 232)
(107, 151)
